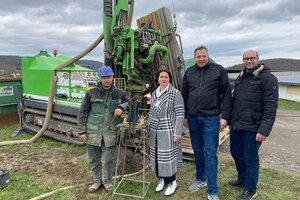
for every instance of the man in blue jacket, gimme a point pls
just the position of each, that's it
(207, 99)
(255, 100)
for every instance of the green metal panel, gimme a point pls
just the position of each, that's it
(72, 84)
(37, 72)
(9, 95)
(8, 109)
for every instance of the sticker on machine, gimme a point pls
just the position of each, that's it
(6, 91)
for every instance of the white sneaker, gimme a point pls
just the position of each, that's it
(212, 197)
(160, 185)
(171, 188)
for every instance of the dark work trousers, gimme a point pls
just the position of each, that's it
(244, 150)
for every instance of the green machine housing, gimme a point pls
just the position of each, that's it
(71, 84)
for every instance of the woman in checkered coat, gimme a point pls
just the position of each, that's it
(165, 125)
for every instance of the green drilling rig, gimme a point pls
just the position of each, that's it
(134, 54)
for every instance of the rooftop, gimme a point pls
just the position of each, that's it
(286, 78)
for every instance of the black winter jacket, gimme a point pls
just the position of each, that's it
(255, 100)
(206, 91)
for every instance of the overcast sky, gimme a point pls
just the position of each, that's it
(227, 28)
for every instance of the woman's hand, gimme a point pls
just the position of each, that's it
(185, 123)
(176, 139)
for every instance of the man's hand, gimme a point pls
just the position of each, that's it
(185, 123)
(83, 137)
(223, 123)
(118, 112)
(260, 137)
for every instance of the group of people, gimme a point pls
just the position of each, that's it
(205, 105)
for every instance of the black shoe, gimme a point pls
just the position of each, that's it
(235, 183)
(246, 195)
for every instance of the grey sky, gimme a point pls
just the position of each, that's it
(227, 28)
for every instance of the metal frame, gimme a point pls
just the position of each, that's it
(124, 179)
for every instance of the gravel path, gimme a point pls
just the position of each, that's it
(281, 150)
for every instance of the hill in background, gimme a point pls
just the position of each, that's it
(189, 62)
(91, 64)
(9, 62)
(14, 62)
(276, 64)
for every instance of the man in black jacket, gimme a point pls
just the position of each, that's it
(255, 100)
(207, 99)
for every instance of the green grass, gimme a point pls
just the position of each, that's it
(7, 134)
(288, 105)
(21, 186)
(27, 183)
(273, 185)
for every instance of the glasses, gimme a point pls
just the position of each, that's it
(250, 58)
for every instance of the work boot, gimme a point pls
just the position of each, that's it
(93, 188)
(235, 183)
(108, 187)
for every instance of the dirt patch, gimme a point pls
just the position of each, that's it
(130, 161)
(61, 165)
(44, 162)
(282, 148)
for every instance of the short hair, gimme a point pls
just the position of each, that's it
(202, 47)
(164, 69)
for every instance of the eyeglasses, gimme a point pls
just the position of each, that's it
(250, 58)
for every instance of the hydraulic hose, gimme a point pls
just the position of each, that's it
(153, 49)
(52, 85)
(49, 194)
(50, 106)
(51, 95)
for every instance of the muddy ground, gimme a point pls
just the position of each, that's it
(281, 150)
(66, 166)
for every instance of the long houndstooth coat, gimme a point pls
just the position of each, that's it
(166, 117)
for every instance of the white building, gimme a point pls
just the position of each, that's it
(289, 84)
